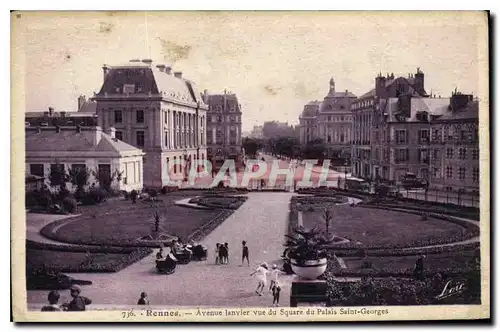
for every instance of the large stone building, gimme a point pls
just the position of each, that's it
(77, 147)
(257, 132)
(157, 110)
(53, 118)
(400, 129)
(375, 121)
(223, 128)
(454, 146)
(330, 121)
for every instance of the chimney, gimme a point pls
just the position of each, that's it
(380, 86)
(135, 60)
(168, 70)
(161, 67)
(81, 101)
(147, 61)
(178, 74)
(93, 135)
(419, 80)
(105, 71)
(459, 101)
(112, 132)
(51, 111)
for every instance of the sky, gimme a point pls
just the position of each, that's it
(274, 61)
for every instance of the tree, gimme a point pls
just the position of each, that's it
(251, 146)
(105, 179)
(58, 176)
(79, 177)
(327, 217)
(314, 149)
(157, 221)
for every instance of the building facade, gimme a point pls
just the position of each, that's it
(454, 146)
(377, 117)
(223, 129)
(158, 111)
(330, 121)
(77, 147)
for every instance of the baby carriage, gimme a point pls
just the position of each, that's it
(183, 255)
(199, 252)
(167, 265)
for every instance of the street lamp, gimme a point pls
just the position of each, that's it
(345, 174)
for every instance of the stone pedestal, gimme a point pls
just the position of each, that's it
(308, 291)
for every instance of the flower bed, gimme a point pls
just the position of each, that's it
(77, 262)
(220, 201)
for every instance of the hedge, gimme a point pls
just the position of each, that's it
(77, 248)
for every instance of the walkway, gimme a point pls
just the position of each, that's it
(261, 221)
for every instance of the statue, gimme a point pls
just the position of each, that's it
(332, 85)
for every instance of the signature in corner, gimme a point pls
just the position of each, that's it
(451, 288)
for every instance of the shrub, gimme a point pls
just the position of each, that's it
(98, 195)
(69, 204)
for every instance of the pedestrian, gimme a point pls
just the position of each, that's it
(276, 293)
(78, 303)
(222, 254)
(159, 255)
(217, 247)
(244, 253)
(261, 275)
(226, 253)
(143, 300)
(53, 299)
(275, 272)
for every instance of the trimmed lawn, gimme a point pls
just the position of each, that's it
(121, 220)
(381, 227)
(448, 260)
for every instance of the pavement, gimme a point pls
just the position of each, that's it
(260, 221)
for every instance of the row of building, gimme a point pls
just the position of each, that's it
(144, 120)
(398, 128)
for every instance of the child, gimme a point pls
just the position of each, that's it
(144, 299)
(222, 254)
(276, 293)
(261, 275)
(244, 253)
(159, 255)
(53, 298)
(226, 253)
(275, 272)
(217, 253)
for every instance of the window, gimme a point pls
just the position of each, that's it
(475, 174)
(461, 173)
(209, 119)
(401, 155)
(166, 139)
(139, 116)
(423, 136)
(423, 156)
(475, 154)
(342, 117)
(140, 138)
(436, 135)
(329, 140)
(449, 172)
(119, 135)
(175, 165)
(118, 117)
(329, 118)
(435, 154)
(342, 137)
(475, 135)
(449, 153)
(37, 169)
(435, 173)
(462, 153)
(104, 174)
(219, 119)
(401, 136)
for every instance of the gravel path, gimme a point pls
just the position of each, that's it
(261, 221)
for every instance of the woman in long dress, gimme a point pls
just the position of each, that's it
(261, 275)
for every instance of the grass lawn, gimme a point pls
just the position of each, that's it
(447, 260)
(381, 227)
(67, 261)
(121, 220)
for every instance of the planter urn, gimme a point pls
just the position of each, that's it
(309, 269)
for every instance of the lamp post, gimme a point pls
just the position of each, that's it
(345, 174)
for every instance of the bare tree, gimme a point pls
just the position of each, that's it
(327, 217)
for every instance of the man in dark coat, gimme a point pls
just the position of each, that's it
(79, 302)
